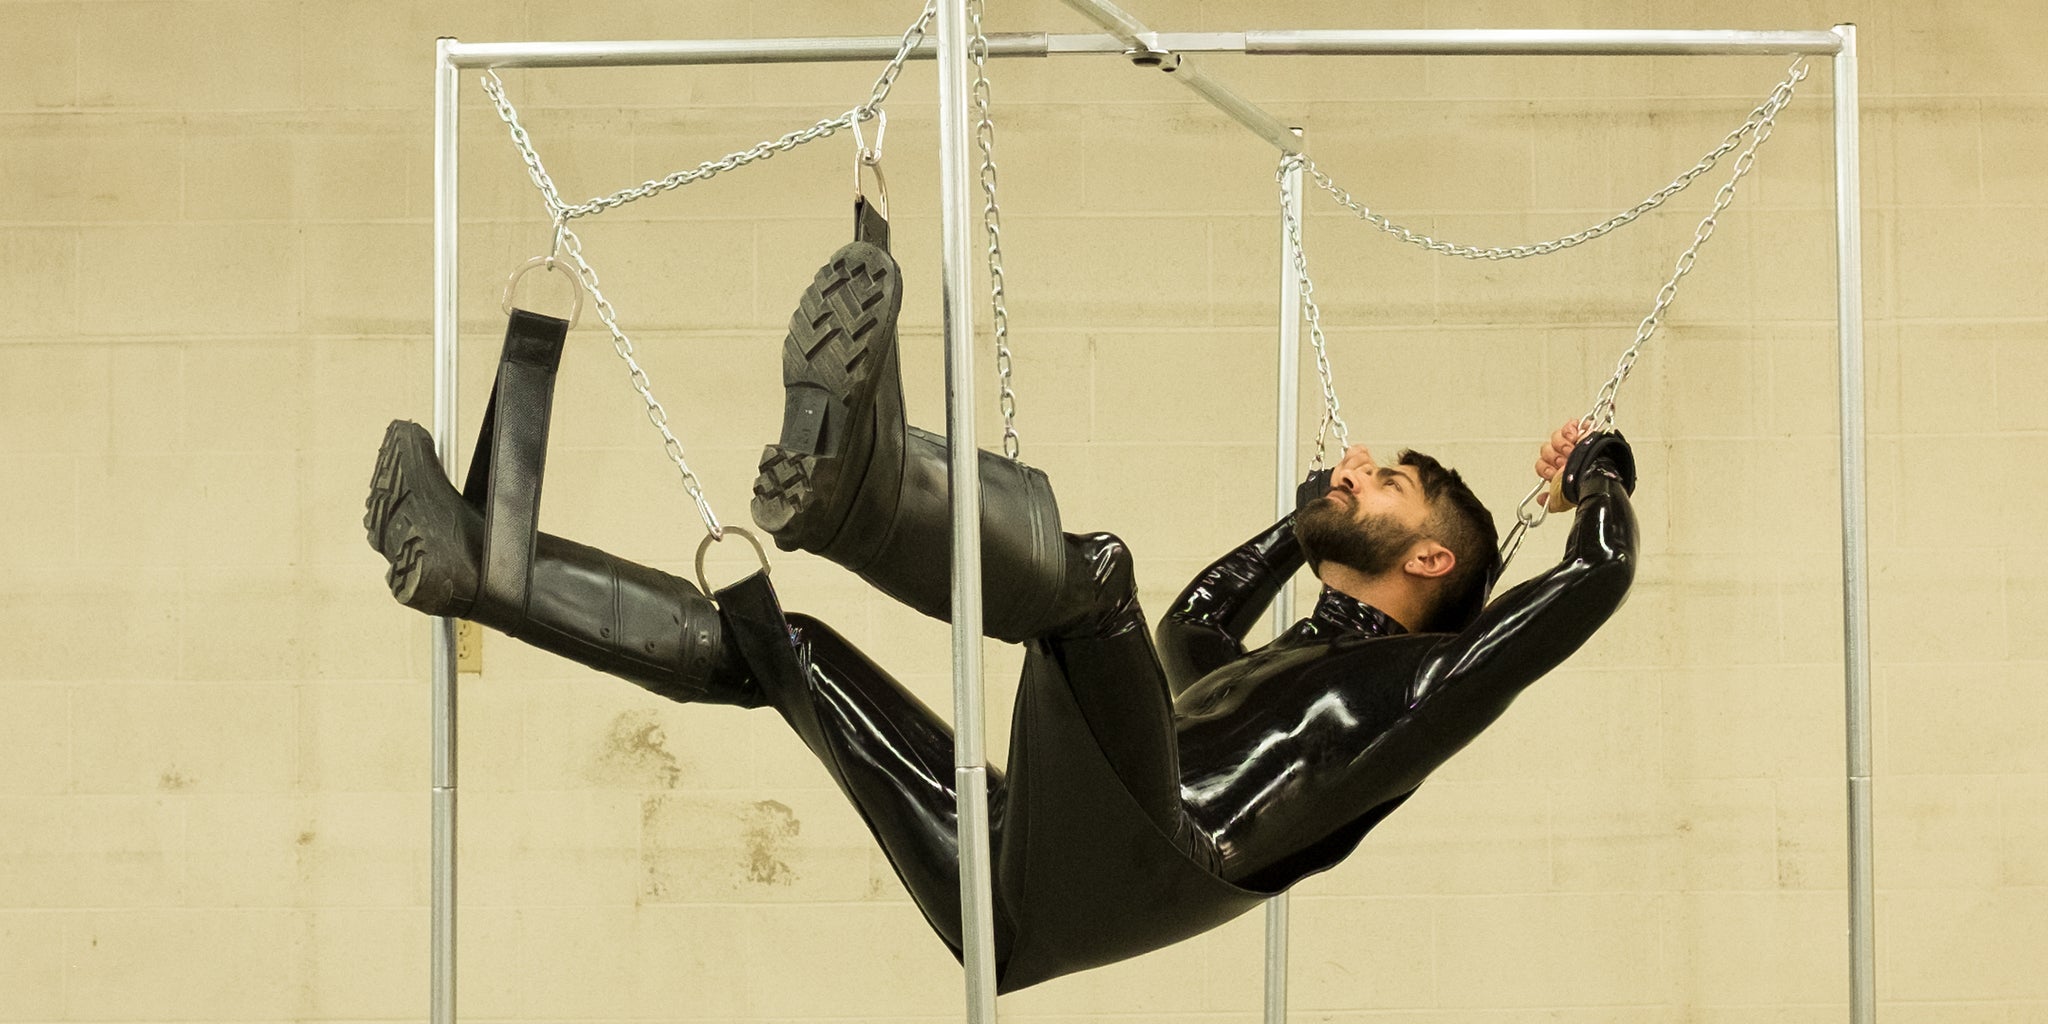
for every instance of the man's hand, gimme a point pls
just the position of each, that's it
(1551, 458)
(1317, 485)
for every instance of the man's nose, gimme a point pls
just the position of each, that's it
(1358, 462)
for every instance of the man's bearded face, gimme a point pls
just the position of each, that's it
(1334, 529)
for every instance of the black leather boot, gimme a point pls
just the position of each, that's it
(566, 598)
(850, 481)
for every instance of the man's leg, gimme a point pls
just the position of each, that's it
(591, 607)
(849, 480)
(886, 750)
(890, 755)
(1105, 652)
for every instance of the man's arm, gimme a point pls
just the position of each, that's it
(1205, 628)
(1534, 627)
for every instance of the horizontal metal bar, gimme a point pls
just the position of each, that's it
(1171, 42)
(652, 53)
(1300, 43)
(1535, 41)
(1160, 52)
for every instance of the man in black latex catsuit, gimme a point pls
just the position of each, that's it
(1151, 792)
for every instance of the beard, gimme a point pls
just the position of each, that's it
(1331, 530)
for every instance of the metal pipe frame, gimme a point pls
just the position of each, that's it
(1165, 53)
(447, 108)
(1855, 543)
(1532, 42)
(1150, 45)
(1287, 432)
(970, 763)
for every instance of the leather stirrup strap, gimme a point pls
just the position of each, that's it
(511, 452)
(869, 225)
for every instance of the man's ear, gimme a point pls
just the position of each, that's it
(1430, 560)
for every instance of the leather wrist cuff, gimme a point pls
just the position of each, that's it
(1603, 454)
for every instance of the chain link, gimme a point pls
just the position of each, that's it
(1532, 509)
(1759, 118)
(912, 37)
(549, 194)
(586, 275)
(1602, 414)
(992, 223)
(569, 246)
(1333, 419)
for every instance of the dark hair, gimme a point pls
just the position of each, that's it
(1459, 521)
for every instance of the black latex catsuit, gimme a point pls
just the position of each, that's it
(1153, 793)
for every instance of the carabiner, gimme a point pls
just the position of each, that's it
(871, 158)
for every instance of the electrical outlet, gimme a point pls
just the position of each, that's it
(469, 648)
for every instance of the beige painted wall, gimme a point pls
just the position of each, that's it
(214, 251)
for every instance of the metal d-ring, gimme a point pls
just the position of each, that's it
(705, 545)
(547, 263)
(871, 158)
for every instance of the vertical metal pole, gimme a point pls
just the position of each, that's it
(442, 930)
(970, 771)
(1287, 430)
(1855, 544)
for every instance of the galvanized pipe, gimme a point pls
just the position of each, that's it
(646, 53)
(1285, 458)
(1159, 52)
(651, 53)
(1855, 543)
(1281, 42)
(441, 868)
(970, 760)
(1241, 110)
(1533, 42)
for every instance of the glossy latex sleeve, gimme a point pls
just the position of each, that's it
(1205, 628)
(1535, 626)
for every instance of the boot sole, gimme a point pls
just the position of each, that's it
(840, 339)
(409, 529)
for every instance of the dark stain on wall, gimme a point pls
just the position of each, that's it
(637, 746)
(767, 828)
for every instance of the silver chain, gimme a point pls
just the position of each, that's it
(1534, 507)
(570, 246)
(992, 222)
(912, 36)
(713, 168)
(1760, 118)
(1532, 510)
(1602, 414)
(1333, 419)
(549, 194)
(764, 150)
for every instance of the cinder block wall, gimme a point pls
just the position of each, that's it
(213, 754)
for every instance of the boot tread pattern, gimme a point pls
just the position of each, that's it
(390, 529)
(828, 334)
(413, 518)
(783, 489)
(841, 319)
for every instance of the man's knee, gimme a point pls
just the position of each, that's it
(1101, 586)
